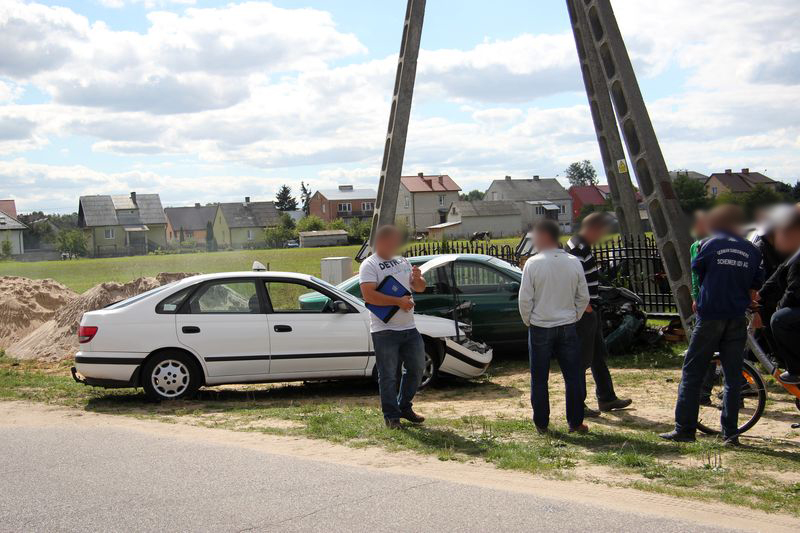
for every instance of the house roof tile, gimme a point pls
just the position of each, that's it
(483, 208)
(193, 218)
(437, 183)
(250, 215)
(531, 189)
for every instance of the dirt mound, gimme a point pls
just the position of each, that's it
(57, 338)
(25, 304)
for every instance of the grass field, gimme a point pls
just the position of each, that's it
(81, 274)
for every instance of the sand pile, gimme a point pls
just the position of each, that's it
(57, 338)
(25, 304)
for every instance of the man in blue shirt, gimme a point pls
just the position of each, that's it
(729, 271)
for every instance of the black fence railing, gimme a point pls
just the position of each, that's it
(631, 262)
(501, 251)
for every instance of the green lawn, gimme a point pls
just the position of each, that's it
(83, 274)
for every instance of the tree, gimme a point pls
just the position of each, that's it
(691, 194)
(71, 241)
(761, 196)
(581, 173)
(287, 222)
(305, 197)
(358, 230)
(337, 223)
(284, 201)
(6, 249)
(310, 223)
(471, 196)
(211, 242)
(276, 236)
(591, 208)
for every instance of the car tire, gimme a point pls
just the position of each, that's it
(170, 375)
(433, 360)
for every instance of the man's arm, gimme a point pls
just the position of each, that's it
(417, 281)
(791, 298)
(526, 293)
(373, 296)
(581, 295)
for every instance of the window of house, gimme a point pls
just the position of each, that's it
(442, 198)
(226, 297)
(407, 202)
(539, 210)
(494, 195)
(345, 207)
(562, 209)
(324, 208)
(189, 234)
(713, 191)
(367, 206)
(108, 233)
(250, 235)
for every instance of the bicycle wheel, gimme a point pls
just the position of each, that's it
(751, 406)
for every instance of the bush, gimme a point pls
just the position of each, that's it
(310, 223)
(73, 242)
(337, 224)
(5, 249)
(358, 231)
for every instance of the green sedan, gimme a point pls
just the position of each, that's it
(479, 289)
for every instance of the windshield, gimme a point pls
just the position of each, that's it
(502, 264)
(142, 296)
(337, 291)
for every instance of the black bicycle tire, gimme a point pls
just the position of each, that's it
(762, 402)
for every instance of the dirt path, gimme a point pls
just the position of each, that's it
(28, 415)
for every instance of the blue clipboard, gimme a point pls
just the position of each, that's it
(390, 287)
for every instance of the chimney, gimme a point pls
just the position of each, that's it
(508, 178)
(441, 181)
(536, 177)
(133, 197)
(197, 204)
(345, 188)
(728, 171)
(421, 174)
(745, 171)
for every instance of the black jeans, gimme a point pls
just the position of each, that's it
(786, 331)
(594, 354)
(728, 337)
(562, 343)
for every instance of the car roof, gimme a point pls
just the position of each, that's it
(245, 274)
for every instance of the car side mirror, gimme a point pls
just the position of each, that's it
(340, 307)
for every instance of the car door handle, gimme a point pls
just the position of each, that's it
(190, 329)
(280, 328)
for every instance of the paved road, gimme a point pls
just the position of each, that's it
(112, 479)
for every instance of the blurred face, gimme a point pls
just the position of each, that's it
(593, 235)
(388, 244)
(700, 228)
(543, 241)
(787, 241)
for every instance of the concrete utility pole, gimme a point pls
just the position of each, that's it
(666, 217)
(394, 150)
(623, 194)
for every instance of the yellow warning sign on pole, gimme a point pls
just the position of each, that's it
(622, 166)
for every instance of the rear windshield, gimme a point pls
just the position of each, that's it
(142, 296)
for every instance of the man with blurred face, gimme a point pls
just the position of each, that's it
(397, 342)
(728, 268)
(782, 292)
(590, 328)
(552, 298)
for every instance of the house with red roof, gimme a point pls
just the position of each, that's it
(591, 195)
(425, 200)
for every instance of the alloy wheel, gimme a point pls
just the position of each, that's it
(170, 378)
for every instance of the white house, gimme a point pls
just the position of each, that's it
(500, 218)
(424, 200)
(10, 228)
(544, 193)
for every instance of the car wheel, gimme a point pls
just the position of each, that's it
(170, 376)
(433, 359)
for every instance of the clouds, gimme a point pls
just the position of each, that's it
(252, 95)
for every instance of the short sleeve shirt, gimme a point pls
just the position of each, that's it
(374, 270)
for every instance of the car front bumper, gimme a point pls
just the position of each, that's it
(465, 358)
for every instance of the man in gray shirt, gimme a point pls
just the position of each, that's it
(553, 296)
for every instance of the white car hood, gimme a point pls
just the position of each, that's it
(436, 327)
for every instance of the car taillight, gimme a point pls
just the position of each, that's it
(86, 333)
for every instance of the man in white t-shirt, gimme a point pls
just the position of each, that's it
(397, 342)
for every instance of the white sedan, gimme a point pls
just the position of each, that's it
(247, 327)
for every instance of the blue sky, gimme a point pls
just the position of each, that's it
(212, 101)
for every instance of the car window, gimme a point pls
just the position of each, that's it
(172, 303)
(474, 278)
(284, 296)
(142, 296)
(236, 297)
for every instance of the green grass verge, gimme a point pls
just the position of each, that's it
(344, 413)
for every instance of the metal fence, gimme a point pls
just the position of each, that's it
(631, 262)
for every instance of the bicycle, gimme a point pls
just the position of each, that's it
(754, 391)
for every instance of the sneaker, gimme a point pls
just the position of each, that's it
(790, 379)
(615, 404)
(393, 423)
(731, 442)
(583, 428)
(677, 436)
(412, 417)
(589, 412)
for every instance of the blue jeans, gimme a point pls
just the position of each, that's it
(562, 343)
(728, 337)
(395, 350)
(785, 325)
